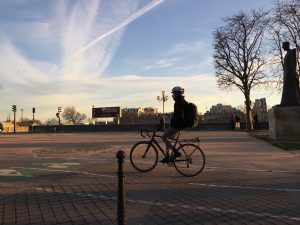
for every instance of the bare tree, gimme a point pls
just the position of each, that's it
(51, 121)
(72, 116)
(239, 55)
(90, 120)
(285, 26)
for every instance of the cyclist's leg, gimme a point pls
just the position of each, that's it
(170, 132)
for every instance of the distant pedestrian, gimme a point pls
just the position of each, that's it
(256, 124)
(232, 123)
(161, 124)
(237, 122)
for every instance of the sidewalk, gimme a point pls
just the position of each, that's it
(245, 181)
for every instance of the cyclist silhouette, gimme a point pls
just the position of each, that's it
(177, 122)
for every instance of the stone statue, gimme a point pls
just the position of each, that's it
(291, 90)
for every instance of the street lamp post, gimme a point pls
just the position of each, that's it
(163, 99)
(33, 112)
(14, 109)
(21, 115)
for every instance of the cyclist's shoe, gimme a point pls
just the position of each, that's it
(165, 160)
(176, 154)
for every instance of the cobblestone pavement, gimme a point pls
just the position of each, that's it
(58, 203)
(216, 197)
(222, 194)
(229, 197)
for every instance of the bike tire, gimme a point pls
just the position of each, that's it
(191, 162)
(140, 161)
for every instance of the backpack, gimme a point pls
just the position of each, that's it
(191, 115)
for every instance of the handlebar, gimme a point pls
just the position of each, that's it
(146, 132)
(141, 133)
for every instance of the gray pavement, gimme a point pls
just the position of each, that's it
(71, 179)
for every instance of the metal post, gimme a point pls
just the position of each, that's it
(14, 122)
(163, 98)
(122, 219)
(14, 109)
(58, 114)
(33, 112)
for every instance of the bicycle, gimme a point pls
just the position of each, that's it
(144, 154)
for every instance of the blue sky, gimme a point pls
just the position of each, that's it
(111, 53)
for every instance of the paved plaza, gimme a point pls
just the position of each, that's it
(71, 178)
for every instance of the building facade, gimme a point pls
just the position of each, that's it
(148, 115)
(260, 110)
(222, 113)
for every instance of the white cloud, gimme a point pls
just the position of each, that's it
(15, 67)
(178, 57)
(164, 63)
(186, 47)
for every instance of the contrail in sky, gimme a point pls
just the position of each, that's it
(127, 21)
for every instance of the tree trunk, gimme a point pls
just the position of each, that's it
(249, 121)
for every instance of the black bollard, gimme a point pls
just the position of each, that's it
(122, 220)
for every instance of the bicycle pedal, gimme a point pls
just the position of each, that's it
(170, 163)
(176, 155)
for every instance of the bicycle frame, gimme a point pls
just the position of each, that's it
(155, 143)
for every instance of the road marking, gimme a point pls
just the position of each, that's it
(195, 207)
(66, 171)
(254, 170)
(88, 159)
(56, 165)
(10, 173)
(246, 187)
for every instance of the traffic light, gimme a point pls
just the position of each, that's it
(33, 110)
(14, 108)
(57, 115)
(59, 109)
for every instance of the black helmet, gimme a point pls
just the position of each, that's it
(178, 90)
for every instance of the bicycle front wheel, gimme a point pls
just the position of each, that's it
(144, 156)
(191, 162)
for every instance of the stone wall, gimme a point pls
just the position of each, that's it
(128, 127)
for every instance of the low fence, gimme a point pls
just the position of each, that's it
(131, 127)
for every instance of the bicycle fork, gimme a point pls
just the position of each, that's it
(146, 151)
(149, 144)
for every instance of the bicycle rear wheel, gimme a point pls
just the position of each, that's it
(144, 156)
(191, 162)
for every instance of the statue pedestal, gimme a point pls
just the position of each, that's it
(284, 122)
